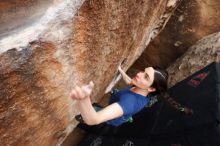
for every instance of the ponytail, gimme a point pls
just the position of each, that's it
(173, 103)
(160, 84)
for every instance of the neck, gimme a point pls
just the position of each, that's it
(141, 91)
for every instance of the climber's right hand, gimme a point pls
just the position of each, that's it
(79, 93)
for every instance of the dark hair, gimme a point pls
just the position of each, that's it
(160, 80)
(160, 84)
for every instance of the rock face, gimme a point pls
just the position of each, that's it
(16, 14)
(198, 56)
(64, 43)
(191, 21)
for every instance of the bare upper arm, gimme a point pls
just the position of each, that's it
(110, 112)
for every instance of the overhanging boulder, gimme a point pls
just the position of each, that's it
(70, 42)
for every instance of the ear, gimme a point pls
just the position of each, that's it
(151, 89)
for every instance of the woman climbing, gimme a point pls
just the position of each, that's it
(124, 103)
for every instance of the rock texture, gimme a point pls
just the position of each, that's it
(17, 14)
(191, 21)
(198, 56)
(68, 42)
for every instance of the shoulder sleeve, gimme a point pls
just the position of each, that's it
(127, 103)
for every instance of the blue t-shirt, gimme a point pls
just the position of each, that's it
(130, 102)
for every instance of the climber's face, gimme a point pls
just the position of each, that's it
(144, 79)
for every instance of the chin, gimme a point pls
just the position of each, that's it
(133, 82)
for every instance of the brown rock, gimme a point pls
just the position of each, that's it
(198, 56)
(16, 14)
(191, 21)
(70, 42)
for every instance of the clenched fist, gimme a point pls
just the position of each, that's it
(79, 93)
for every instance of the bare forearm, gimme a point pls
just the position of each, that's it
(82, 95)
(88, 113)
(126, 78)
(91, 117)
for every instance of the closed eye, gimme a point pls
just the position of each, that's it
(147, 76)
